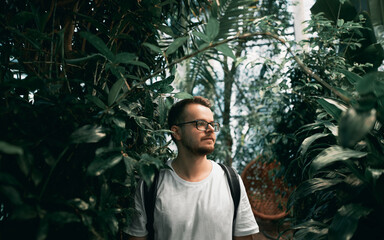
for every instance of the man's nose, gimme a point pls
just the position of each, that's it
(210, 127)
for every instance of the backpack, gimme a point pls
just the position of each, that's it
(150, 195)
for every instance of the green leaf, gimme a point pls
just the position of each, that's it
(166, 29)
(115, 91)
(345, 222)
(154, 48)
(332, 128)
(79, 204)
(371, 83)
(124, 57)
(83, 59)
(97, 101)
(224, 48)
(162, 111)
(148, 166)
(147, 173)
(311, 186)
(340, 22)
(183, 95)
(149, 160)
(166, 89)
(149, 106)
(175, 45)
(332, 107)
(376, 179)
(311, 229)
(87, 134)
(354, 125)
(100, 164)
(309, 140)
(212, 29)
(331, 155)
(353, 78)
(130, 164)
(143, 122)
(98, 44)
(10, 149)
(202, 36)
(138, 63)
(161, 84)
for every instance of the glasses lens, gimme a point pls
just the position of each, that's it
(216, 127)
(201, 125)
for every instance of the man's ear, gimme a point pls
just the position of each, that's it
(176, 132)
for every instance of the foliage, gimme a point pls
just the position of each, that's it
(81, 116)
(224, 73)
(336, 159)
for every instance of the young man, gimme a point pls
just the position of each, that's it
(193, 196)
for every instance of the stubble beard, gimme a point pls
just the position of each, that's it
(198, 150)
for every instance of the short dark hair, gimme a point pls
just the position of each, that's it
(176, 113)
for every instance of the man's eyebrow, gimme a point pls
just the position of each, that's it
(204, 120)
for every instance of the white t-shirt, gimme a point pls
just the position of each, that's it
(194, 210)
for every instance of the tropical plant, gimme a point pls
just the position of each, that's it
(84, 96)
(221, 73)
(339, 162)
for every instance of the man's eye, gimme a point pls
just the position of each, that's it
(201, 123)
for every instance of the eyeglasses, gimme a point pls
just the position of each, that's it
(202, 125)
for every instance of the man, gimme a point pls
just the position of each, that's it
(193, 196)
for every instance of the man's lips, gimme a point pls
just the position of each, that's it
(208, 138)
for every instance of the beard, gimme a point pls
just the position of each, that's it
(198, 150)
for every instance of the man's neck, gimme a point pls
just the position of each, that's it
(192, 168)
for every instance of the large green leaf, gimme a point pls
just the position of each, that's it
(224, 48)
(311, 186)
(202, 36)
(183, 95)
(311, 229)
(332, 106)
(100, 165)
(354, 125)
(83, 59)
(371, 83)
(88, 134)
(309, 140)
(376, 179)
(162, 83)
(97, 101)
(115, 91)
(130, 164)
(138, 63)
(346, 220)
(353, 78)
(98, 44)
(178, 42)
(212, 29)
(331, 155)
(148, 166)
(154, 48)
(8, 148)
(124, 57)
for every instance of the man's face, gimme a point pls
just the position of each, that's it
(197, 141)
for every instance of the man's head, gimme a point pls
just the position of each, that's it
(191, 122)
(176, 113)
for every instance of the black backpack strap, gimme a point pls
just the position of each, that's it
(234, 186)
(150, 194)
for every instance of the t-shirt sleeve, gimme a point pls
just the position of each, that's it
(137, 227)
(245, 221)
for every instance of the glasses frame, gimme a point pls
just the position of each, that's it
(215, 125)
